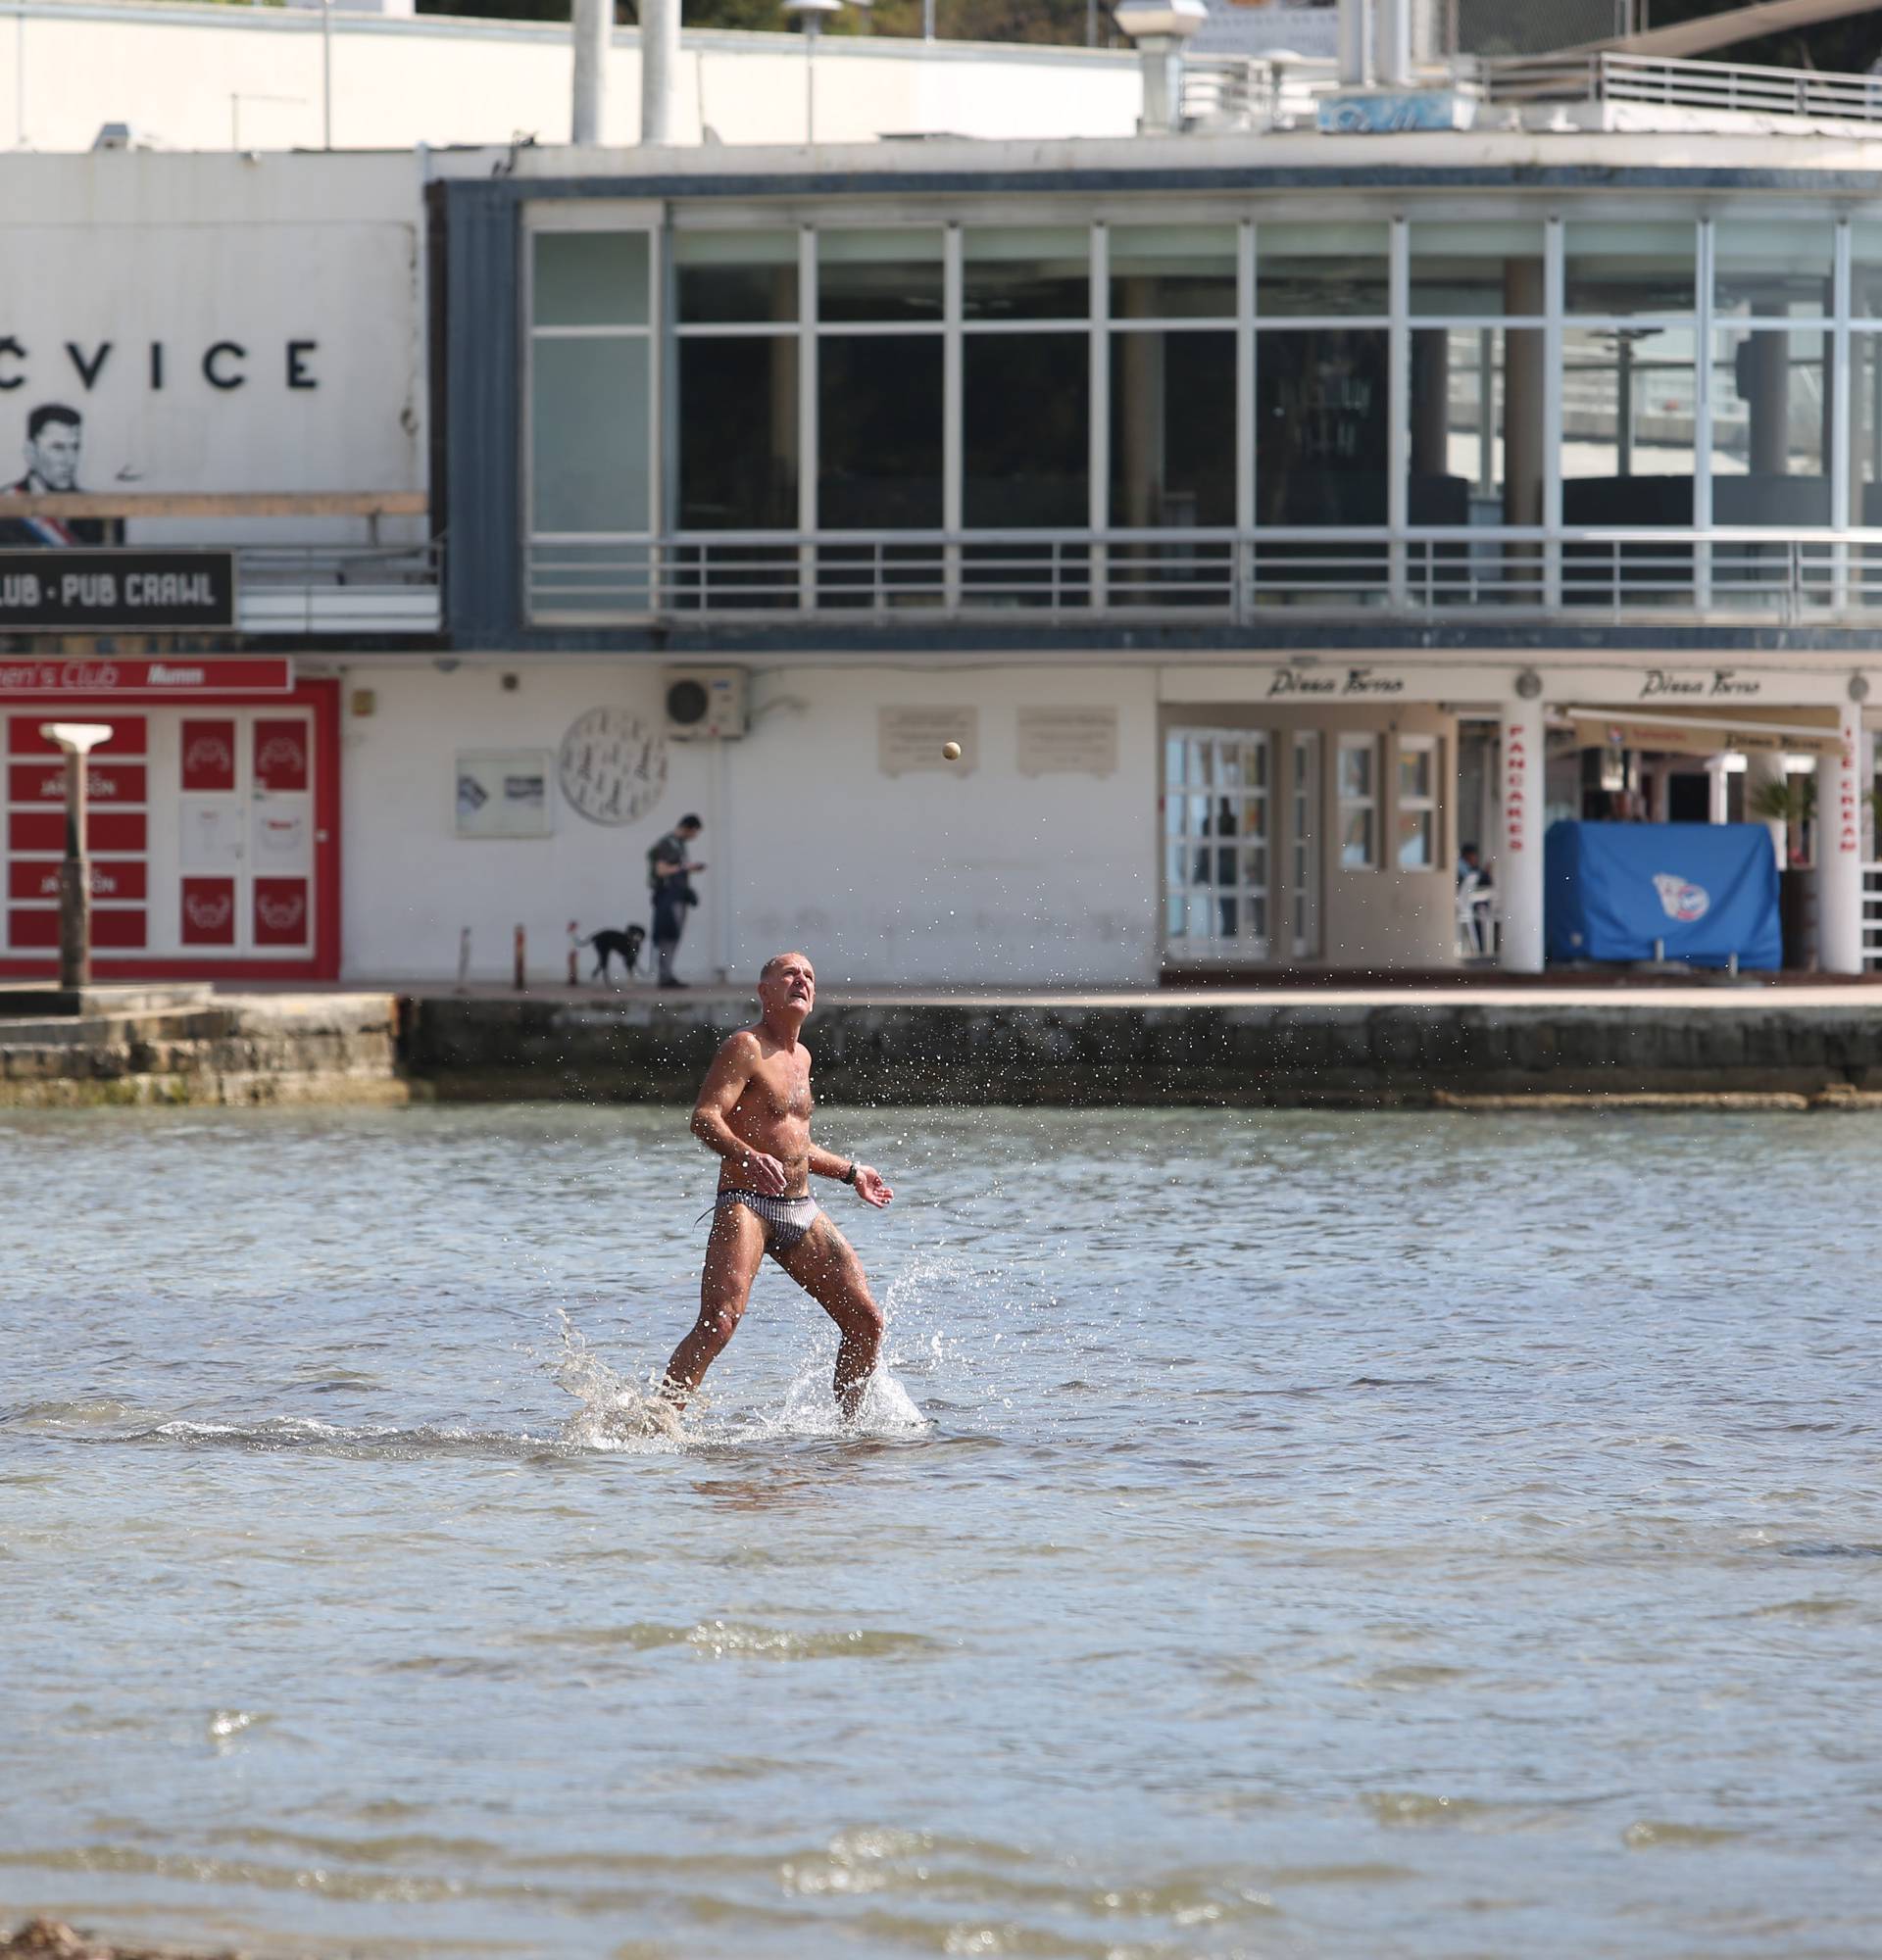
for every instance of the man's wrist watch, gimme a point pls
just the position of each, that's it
(849, 1176)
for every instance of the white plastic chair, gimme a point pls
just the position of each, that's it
(1476, 916)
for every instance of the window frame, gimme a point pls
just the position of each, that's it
(1354, 741)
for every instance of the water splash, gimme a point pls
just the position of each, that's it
(616, 1414)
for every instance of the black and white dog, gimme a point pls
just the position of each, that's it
(608, 944)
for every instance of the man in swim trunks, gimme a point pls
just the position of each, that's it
(755, 1111)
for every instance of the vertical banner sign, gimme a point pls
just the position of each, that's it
(1519, 868)
(1516, 758)
(1848, 822)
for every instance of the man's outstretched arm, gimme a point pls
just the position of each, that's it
(870, 1186)
(719, 1095)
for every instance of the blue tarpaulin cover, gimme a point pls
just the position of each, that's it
(1707, 890)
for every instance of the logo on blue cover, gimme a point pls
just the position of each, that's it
(1680, 899)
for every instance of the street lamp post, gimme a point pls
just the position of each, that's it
(811, 16)
(76, 739)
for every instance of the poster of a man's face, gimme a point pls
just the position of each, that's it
(55, 436)
(55, 442)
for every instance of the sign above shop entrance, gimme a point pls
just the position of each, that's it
(1336, 683)
(143, 680)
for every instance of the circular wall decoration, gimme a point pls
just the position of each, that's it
(613, 765)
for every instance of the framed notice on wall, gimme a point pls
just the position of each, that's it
(1068, 741)
(908, 738)
(505, 793)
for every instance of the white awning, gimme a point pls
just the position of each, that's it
(1701, 731)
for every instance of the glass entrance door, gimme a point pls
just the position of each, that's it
(1216, 832)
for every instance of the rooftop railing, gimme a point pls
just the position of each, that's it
(1711, 86)
(1197, 576)
(1256, 92)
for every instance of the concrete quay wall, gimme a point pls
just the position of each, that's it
(340, 1047)
(1765, 1049)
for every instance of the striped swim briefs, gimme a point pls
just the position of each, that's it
(787, 1221)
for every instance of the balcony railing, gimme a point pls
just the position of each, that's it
(1713, 88)
(1195, 576)
(339, 588)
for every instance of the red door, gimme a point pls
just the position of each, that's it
(215, 837)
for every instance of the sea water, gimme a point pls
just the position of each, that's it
(1273, 1534)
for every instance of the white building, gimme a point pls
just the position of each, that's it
(1267, 512)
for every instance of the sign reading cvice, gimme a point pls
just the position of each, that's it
(116, 591)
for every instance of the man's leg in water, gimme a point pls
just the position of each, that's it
(733, 1255)
(828, 1270)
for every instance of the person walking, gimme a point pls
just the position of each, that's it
(670, 873)
(754, 1112)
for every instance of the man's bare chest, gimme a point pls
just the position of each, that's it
(778, 1090)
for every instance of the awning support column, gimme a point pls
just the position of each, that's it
(1518, 870)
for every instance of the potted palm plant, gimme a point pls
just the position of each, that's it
(1791, 802)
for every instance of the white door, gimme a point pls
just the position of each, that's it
(245, 852)
(1215, 841)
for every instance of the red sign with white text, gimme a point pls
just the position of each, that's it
(280, 754)
(105, 782)
(144, 680)
(111, 879)
(126, 737)
(209, 756)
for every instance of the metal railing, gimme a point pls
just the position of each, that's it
(1872, 916)
(1213, 574)
(1253, 91)
(1712, 87)
(1256, 92)
(339, 588)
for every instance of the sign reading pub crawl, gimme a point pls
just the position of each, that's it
(80, 591)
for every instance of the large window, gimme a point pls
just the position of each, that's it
(590, 455)
(1026, 377)
(880, 380)
(912, 406)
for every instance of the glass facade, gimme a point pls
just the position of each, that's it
(1543, 409)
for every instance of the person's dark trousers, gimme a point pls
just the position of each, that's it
(670, 920)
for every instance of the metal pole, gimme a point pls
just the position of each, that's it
(927, 21)
(659, 68)
(75, 882)
(589, 103)
(76, 739)
(327, 74)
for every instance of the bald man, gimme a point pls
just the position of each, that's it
(755, 1111)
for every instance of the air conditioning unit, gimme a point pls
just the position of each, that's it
(705, 703)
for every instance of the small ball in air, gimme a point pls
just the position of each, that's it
(949, 752)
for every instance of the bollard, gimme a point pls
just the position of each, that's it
(575, 955)
(464, 960)
(522, 961)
